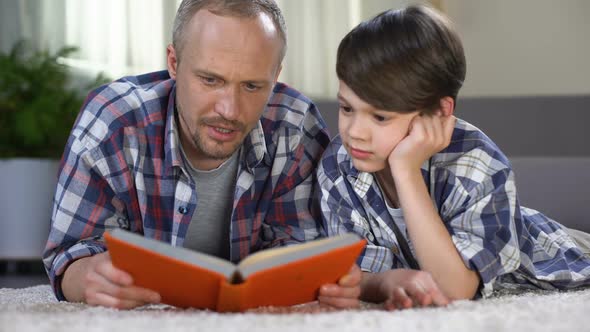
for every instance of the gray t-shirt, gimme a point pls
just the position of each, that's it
(209, 230)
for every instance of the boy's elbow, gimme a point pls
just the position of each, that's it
(467, 289)
(463, 294)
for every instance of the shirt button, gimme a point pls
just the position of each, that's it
(395, 250)
(182, 209)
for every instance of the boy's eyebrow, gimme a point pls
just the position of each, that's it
(339, 96)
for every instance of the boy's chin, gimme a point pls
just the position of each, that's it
(367, 166)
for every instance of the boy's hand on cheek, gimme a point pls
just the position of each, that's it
(427, 135)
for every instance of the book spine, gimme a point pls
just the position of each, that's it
(232, 297)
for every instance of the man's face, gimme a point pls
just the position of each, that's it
(369, 134)
(224, 78)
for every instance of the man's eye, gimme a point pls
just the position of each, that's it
(208, 80)
(252, 87)
(380, 118)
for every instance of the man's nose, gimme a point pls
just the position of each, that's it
(227, 103)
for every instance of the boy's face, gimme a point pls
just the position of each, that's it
(369, 134)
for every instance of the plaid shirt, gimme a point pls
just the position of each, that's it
(122, 167)
(472, 186)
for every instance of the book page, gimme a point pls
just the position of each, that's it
(282, 255)
(182, 254)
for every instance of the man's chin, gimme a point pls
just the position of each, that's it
(221, 153)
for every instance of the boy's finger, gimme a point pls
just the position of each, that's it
(438, 298)
(401, 298)
(390, 305)
(417, 291)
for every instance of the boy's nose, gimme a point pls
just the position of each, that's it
(357, 129)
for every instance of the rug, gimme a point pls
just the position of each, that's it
(35, 309)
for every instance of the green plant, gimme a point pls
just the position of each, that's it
(38, 106)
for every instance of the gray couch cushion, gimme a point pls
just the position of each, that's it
(547, 141)
(558, 187)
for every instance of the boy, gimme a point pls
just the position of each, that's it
(434, 196)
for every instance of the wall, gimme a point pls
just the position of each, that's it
(524, 47)
(513, 48)
(547, 141)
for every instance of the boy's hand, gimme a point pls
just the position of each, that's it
(427, 135)
(405, 288)
(346, 293)
(104, 285)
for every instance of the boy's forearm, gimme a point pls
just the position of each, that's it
(371, 287)
(432, 242)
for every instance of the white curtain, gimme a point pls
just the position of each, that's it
(119, 37)
(38, 22)
(314, 30)
(126, 37)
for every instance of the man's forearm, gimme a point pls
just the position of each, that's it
(72, 284)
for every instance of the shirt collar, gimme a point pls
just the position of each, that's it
(171, 143)
(254, 148)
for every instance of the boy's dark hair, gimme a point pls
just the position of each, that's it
(403, 60)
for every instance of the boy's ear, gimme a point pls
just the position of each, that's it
(447, 106)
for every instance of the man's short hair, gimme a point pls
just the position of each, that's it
(403, 60)
(235, 8)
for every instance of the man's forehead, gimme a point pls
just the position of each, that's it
(204, 19)
(267, 24)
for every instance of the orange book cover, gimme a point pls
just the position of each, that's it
(273, 277)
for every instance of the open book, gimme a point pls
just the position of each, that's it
(280, 276)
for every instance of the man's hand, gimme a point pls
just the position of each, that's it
(404, 288)
(345, 294)
(96, 281)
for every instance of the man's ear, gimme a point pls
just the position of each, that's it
(447, 106)
(278, 73)
(171, 60)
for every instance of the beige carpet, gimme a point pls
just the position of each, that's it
(35, 309)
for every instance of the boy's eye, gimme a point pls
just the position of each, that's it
(345, 109)
(380, 118)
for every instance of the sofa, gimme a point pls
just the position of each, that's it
(546, 140)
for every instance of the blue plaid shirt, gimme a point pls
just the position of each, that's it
(122, 167)
(472, 186)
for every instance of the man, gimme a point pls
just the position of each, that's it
(213, 155)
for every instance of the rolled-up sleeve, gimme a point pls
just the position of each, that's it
(84, 206)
